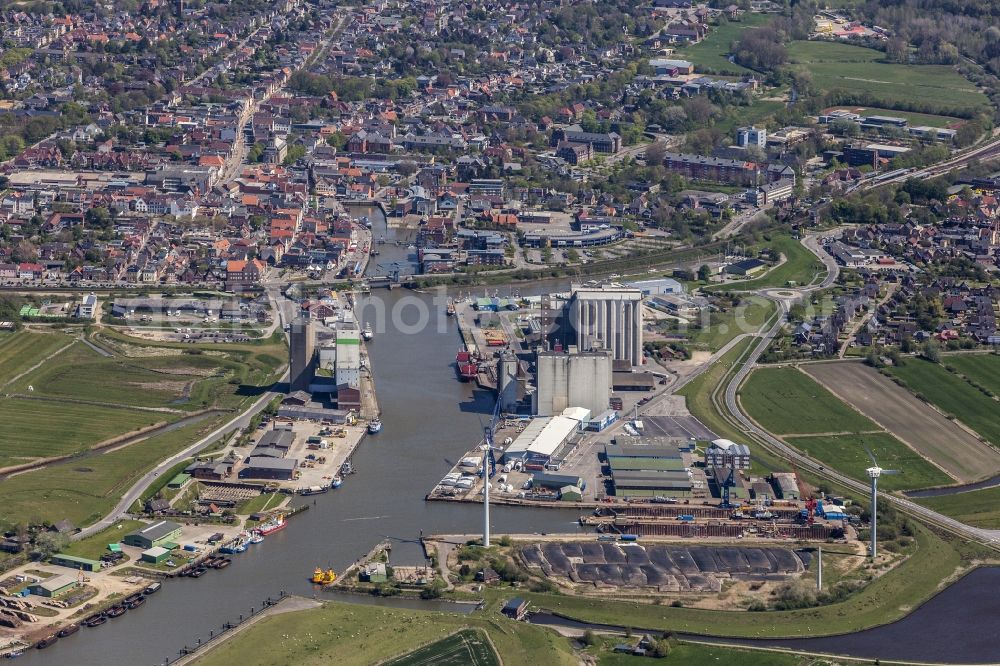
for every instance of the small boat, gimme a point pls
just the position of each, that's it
(132, 597)
(367, 333)
(15, 654)
(115, 611)
(152, 587)
(451, 308)
(95, 620)
(68, 631)
(46, 642)
(199, 572)
(374, 426)
(223, 563)
(346, 468)
(272, 525)
(136, 602)
(321, 577)
(337, 482)
(255, 537)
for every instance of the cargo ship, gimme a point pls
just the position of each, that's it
(466, 366)
(272, 525)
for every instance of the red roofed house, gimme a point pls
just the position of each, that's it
(245, 273)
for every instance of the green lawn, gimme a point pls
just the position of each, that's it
(845, 453)
(359, 635)
(84, 490)
(97, 545)
(711, 53)
(747, 317)
(983, 369)
(952, 395)
(469, 647)
(23, 349)
(785, 401)
(41, 429)
(883, 600)
(858, 70)
(262, 502)
(801, 266)
(978, 507)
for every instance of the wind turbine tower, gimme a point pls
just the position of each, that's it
(874, 472)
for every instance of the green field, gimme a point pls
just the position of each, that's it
(710, 54)
(747, 317)
(801, 266)
(858, 70)
(23, 349)
(693, 654)
(84, 490)
(469, 647)
(97, 545)
(845, 453)
(977, 507)
(360, 635)
(41, 429)
(785, 401)
(952, 395)
(983, 369)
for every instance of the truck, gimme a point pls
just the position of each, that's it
(686, 517)
(628, 537)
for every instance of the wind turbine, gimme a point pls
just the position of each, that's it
(489, 469)
(874, 472)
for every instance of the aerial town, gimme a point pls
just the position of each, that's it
(569, 332)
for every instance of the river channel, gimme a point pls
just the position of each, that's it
(430, 420)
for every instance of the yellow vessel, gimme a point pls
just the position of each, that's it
(321, 577)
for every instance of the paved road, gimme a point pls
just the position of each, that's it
(732, 405)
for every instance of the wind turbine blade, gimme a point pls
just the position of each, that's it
(870, 454)
(892, 471)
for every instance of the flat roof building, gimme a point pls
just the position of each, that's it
(154, 534)
(278, 469)
(542, 437)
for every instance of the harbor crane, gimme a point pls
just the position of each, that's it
(874, 472)
(727, 483)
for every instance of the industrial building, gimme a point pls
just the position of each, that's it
(727, 453)
(547, 481)
(154, 534)
(155, 555)
(786, 485)
(657, 287)
(54, 586)
(648, 471)
(541, 439)
(508, 388)
(302, 339)
(276, 469)
(348, 364)
(608, 316)
(580, 379)
(74, 562)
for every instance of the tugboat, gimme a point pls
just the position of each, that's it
(367, 333)
(374, 426)
(255, 537)
(321, 577)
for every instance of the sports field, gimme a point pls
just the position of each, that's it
(784, 401)
(846, 454)
(468, 647)
(909, 419)
(858, 70)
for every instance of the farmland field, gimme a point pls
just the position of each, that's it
(909, 419)
(468, 647)
(984, 369)
(41, 429)
(952, 395)
(977, 507)
(23, 349)
(846, 454)
(785, 401)
(858, 70)
(710, 53)
(82, 490)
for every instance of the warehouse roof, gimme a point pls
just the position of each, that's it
(543, 436)
(636, 451)
(666, 480)
(272, 463)
(57, 582)
(156, 530)
(279, 438)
